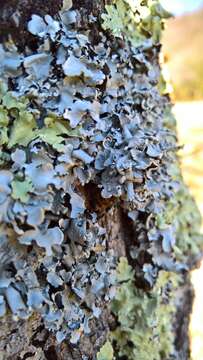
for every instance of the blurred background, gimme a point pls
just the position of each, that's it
(183, 54)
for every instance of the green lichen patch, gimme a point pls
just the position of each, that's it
(22, 131)
(135, 21)
(53, 131)
(106, 352)
(181, 210)
(21, 189)
(3, 126)
(24, 127)
(145, 319)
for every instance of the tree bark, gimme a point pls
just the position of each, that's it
(120, 198)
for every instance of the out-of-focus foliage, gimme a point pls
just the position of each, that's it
(182, 45)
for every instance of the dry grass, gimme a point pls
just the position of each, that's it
(183, 40)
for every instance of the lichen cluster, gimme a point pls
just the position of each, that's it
(77, 113)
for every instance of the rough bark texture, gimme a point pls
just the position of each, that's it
(129, 220)
(15, 15)
(184, 309)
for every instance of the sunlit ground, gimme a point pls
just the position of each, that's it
(189, 117)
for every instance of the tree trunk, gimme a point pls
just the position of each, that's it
(98, 231)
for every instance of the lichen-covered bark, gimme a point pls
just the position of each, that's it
(98, 231)
(15, 15)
